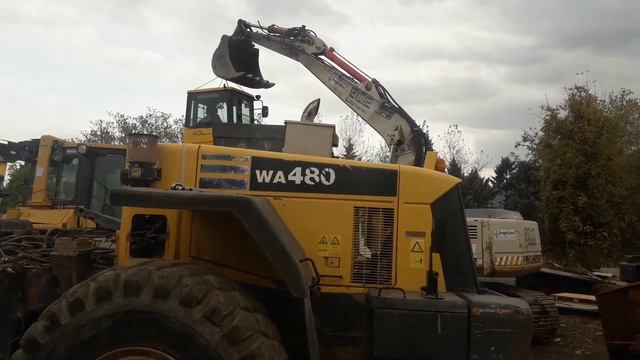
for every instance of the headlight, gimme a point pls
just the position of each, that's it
(82, 149)
(57, 156)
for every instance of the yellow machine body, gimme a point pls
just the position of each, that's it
(322, 223)
(351, 259)
(198, 136)
(49, 219)
(3, 170)
(43, 210)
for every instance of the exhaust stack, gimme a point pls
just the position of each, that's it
(236, 60)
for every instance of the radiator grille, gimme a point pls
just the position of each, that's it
(473, 232)
(372, 252)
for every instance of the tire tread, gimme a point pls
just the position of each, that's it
(241, 321)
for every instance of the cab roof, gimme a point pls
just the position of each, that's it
(220, 89)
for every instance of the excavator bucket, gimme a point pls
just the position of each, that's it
(236, 60)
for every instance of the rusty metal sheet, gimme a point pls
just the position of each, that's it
(620, 314)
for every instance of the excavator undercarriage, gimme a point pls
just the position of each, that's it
(544, 312)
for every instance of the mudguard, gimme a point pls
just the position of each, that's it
(258, 217)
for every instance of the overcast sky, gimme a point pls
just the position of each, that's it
(485, 65)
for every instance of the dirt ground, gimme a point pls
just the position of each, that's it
(579, 337)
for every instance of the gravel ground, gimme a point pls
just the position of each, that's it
(579, 337)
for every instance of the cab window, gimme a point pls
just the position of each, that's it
(208, 109)
(61, 184)
(105, 178)
(245, 111)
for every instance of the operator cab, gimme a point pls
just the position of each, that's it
(229, 117)
(208, 107)
(84, 175)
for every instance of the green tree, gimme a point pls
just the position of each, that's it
(454, 168)
(452, 145)
(524, 189)
(349, 150)
(583, 149)
(352, 137)
(501, 183)
(516, 185)
(453, 148)
(115, 129)
(17, 186)
(625, 107)
(476, 190)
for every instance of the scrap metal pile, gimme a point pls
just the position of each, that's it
(25, 251)
(33, 251)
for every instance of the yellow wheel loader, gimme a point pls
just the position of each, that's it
(65, 176)
(255, 242)
(62, 234)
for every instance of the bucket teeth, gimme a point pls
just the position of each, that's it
(236, 60)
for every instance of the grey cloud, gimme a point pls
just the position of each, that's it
(502, 114)
(482, 65)
(495, 144)
(294, 13)
(472, 48)
(443, 89)
(601, 26)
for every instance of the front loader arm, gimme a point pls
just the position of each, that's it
(364, 95)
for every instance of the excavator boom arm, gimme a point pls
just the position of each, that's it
(236, 60)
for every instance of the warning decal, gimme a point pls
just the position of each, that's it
(417, 246)
(329, 245)
(416, 253)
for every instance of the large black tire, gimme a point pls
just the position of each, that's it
(178, 309)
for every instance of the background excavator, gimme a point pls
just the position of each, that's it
(252, 241)
(506, 247)
(236, 60)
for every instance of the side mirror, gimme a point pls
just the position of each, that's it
(265, 111)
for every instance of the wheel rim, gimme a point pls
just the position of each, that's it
(136, 353)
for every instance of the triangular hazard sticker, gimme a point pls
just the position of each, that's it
(335, 241)
(323, 241)
(417, 248)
